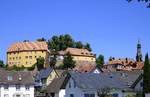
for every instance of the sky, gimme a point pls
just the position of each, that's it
(112, 27)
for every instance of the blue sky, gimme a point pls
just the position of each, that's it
(111, 27)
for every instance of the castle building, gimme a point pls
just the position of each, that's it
(80, 56)
(26, 53)
(139, 53)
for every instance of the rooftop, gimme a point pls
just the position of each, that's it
(27, 46)
(16, 77)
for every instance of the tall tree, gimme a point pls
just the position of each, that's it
(68, 61)
(40, 63)
(88, 47)
(100, 61)
(53, 58)
(79, 44)
(146, 79)
(2, 64)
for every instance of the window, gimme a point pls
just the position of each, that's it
(18, 87)
(27, 88)
(19, 57)
(6, 95)
(6, 87)
(71, 95)
(74, 84)
(69, 84)
(30, 57)
(141, 84)
(35, 56)
(89, 95)
(9, 77)
(10, 58)
(26, 57)
(26, 62)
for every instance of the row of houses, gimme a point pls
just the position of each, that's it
(61, 83)
(26, 53)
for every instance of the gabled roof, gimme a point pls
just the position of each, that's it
(27, 46)
(16, 77)
(96, 81)
(127, 77)
(77, 52)
(44, 73)
(57, 84)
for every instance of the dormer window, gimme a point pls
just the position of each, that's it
(9, 77)
(82, 53)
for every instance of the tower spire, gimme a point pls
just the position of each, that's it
(139, 52)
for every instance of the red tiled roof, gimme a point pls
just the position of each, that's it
(25, 46)
(85, 68)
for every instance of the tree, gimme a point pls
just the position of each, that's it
(146, 77)
(40, 63)
(79, 44)
(144, 1)
(103, 92)
(41, 39)
(68, 61)
(53, 58)
(88, 47)
(62, 42)
(100, 61)
(2, 65)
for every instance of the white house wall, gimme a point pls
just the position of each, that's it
(12, 90)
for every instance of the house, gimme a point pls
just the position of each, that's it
(26, 53)
(123, 64)
(45, 76)
(77, 84)
(79, 55)
(87, 68)
(16, 84)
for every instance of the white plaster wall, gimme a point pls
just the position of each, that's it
(62, 93)
(12, 90)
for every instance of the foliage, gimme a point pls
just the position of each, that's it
(31, 68)
(53, 61)
(103, 92)
(62, 42)
(41, 39)
(146, 79)
(40, 63)
(78, 44)
(2, 64)
(144, 1)
(68, 61)
(100, 60)
(88, 47)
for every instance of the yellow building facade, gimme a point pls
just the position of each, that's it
(26, 53)
(78, 55)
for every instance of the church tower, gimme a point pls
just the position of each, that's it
(139, 53)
